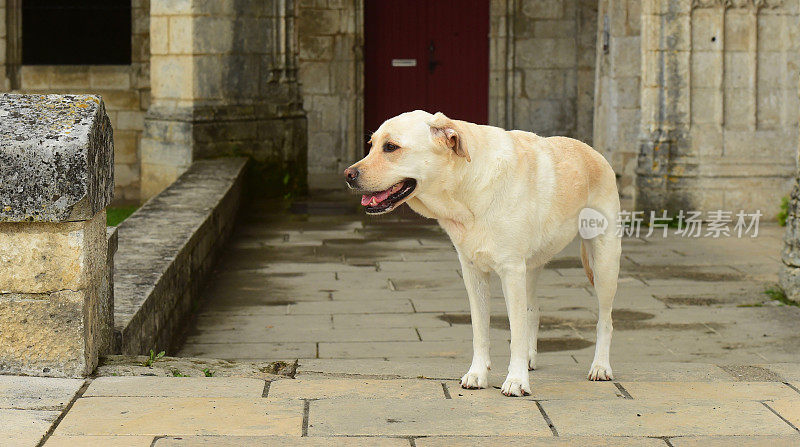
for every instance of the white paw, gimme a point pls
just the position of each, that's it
(531, 360)
(473, 380)
(515, 386)
(600, 372)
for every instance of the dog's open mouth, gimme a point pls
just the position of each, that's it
(388, 199)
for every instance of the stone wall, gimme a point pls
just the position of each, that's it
(124, 89)
(719, 104)
(223, 80)
(167, 249)
(542, 58)
(616, 107)
(331, 79)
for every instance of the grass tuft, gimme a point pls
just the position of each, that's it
(777, 294)
(784, 213)
(116, 214)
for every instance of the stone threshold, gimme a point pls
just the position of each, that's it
(166, 249)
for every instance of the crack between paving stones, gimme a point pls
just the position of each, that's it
(267, 384)
(625, 393)
(778, 414)
(666, 441)
(547, 418)
(792, 387)
(446, 391)
(156, 438)
(418, 334)
(306, 411)
(63, 414)
(412, 442)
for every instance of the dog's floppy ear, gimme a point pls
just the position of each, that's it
(444, 129)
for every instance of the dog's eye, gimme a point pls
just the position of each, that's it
(390, 147)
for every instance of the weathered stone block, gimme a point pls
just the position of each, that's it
(170, 7)
(53, 320)
(543, 9)
(159, 35)
(48, 257)
(56, 157)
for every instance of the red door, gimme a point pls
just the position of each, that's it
(426, 54)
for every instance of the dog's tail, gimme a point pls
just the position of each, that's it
(587, 266)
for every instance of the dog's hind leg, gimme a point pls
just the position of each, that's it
(477, 283)
(602, 260)
(533, 314)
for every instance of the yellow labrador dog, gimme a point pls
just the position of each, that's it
(510, 201)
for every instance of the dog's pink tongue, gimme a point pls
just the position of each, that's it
(379, 197)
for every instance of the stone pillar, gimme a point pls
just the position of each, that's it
(224, 83)
(789, 274)
(718, 104)
(56, 166)
(616, 101)
(664, 102)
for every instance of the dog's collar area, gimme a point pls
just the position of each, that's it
(385, 201)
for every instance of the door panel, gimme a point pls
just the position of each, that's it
(449, 44)
(458, 86)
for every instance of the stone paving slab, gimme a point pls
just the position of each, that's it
(527, 441)
(300, 334)
(251, 351)
(544, 390)
(626, 417)
(389, 321)
(241, 441)
(359, 417)
(25, 427)
(160, 416)
(36, 393)
(100, 441)
(351, 307)
(175, 387)
(334, 388)
(450, 349)
(738, 441)
(704, 391)
(788, 409)
(238, 319)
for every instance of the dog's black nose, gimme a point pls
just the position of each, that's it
(351, 174)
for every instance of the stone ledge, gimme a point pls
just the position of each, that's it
(56, 157)
(165, 250)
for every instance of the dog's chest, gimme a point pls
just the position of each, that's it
(471, 244)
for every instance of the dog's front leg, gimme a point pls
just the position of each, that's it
(477, 283)
(512, 277)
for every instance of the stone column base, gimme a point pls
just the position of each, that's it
(51, 308)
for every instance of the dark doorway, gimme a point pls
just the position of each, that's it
(426, 54)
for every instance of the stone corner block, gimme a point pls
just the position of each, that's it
(56, 157)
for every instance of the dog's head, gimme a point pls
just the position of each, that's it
(410, 153)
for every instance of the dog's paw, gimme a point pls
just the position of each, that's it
(515, 387)
(600, 372)
(475, 380)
